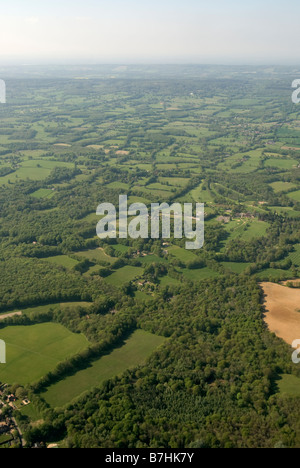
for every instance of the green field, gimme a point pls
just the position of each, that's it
(174, 181)
(295, 195)
(62, 260)
(281, 163)
(242, 162)
(5, 438)
(118, 185)
(272, 274)
(31, 411)
(43, 193)
(142, 296)
(121, 248)
(97, 255)
(151, 192)
(289, 385)
(295, 255)
(282, 186)
(158, 186)
(168, 281)
(152, 259)
(236, 267)
(34, 169)
(182, 254)
(34, 350)
(124, 275)
(133, 353)
(246, 229)
(199, 274)
(286, 211)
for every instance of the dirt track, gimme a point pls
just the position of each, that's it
(282, 316)
(4, 316)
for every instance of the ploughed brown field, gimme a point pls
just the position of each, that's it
(282, 311)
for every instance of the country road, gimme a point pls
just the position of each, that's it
(22, 440)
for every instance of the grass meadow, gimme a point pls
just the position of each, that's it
(136, 349)
(123, 275)
(289, 385)
(34, 350)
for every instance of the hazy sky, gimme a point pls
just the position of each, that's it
(150, 31)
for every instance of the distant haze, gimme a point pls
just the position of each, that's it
(150, 31)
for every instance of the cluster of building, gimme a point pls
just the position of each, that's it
(9, 431)
(227, 218)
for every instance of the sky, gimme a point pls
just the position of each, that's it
(150, 31)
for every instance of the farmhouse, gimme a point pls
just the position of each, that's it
(223, 219)
(245, 215)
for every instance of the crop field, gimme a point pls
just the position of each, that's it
(136, 349)
(282, 311)
(199, 195)
(34, 350)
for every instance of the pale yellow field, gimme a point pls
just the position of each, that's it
(282, 311)
(96, 147)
